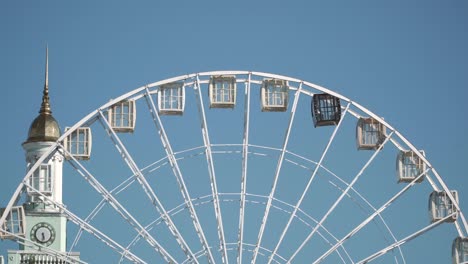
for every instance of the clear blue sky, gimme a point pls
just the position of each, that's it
(405, 61)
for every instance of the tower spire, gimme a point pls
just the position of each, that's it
(45, 106)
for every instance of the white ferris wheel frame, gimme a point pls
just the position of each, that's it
(195, 81)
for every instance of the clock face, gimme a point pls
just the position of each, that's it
(43, 233)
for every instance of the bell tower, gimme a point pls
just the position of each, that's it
(44, 222)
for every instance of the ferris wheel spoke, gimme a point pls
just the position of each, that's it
(143, 182)
(376, 213)
(405, 240)
(108, 197)
(211, 170)
(245, 153)
(180, 179)
(317, 166)
(89, 228)
(332, 208)
(278, 170)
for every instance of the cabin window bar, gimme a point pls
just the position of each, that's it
(79, 143)
(14, 222)
(122, 116)
(222, 91)
(440, 206)
(326, 110)
(460, 250)
(410, 166)
(171, 98)
(274, 95)
(41, 180)
(370, 133)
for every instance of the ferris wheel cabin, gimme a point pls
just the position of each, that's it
(14, 223)
(409, 166)
(441, 206)
(370, 134)
(78, 144)
(326, 110)
(274, 95)
(171, 99)
(460, 250)
(122, 116)
(222, 91)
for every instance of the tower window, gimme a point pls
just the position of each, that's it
(122, 116)
(14, 223)
(41, 180)
(171, 99)
(78, 143)
(440, 206)
(326, 110)
(274, 95)
(409, 166)
(222, 91)
(370, 134)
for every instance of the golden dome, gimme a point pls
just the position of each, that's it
(44, 128)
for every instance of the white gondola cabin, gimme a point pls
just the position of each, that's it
(370, 134)
(14, 223)
(441, 206)
(79, 143)
(274, 95)
(122, 116)
(222, 91)
(460, 250)
(326, 110)
(171, 99)
(409, 166)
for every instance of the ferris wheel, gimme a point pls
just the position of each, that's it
(232, 167)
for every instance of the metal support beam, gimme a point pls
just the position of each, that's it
(245, 157)
(278, 170)
(211, 170)
(179, 176)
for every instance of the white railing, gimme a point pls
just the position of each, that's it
(34, 257)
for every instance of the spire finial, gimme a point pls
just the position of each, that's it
(45, 106)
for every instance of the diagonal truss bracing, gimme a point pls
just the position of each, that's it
(278, 170)
(211, 170)
(178, 174)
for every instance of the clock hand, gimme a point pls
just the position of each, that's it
(43, 236)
